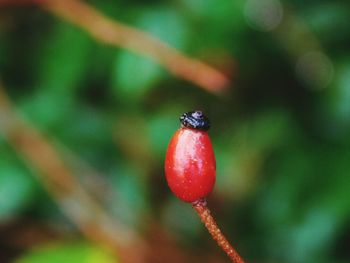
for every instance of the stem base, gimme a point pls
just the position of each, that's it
(204, 213)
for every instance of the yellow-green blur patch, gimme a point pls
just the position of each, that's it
(68, 253)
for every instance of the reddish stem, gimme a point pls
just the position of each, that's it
(204, 213)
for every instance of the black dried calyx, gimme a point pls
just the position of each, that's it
(195, 120)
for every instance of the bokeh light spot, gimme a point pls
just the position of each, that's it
(263, 15)
(315, 69)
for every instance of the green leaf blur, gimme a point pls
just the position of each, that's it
(70, 253)
(281, 131)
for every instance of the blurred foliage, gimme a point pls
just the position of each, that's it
(281, 131)
(70, 252)
(17, 186)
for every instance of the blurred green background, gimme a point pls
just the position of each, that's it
(281, 130)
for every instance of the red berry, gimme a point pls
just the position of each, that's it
(190, 160)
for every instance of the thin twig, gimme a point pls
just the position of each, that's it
(204, 213)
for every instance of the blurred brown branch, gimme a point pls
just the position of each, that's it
(73, 199)
(114, 33)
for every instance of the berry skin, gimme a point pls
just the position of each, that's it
(190, 166)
